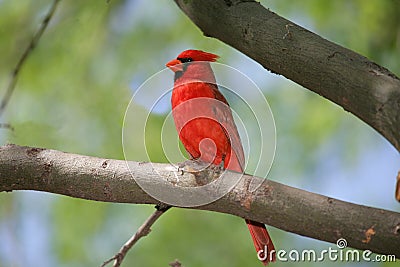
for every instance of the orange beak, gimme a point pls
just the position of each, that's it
(175, 65)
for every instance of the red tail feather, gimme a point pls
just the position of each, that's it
(262, 241)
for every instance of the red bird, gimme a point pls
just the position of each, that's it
(206, 127)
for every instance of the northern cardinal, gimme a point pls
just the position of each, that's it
(206, 127)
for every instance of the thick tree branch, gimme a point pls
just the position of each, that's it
(359, 85)
(285, 207)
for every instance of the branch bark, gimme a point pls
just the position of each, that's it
(285, 207)
(360, 86)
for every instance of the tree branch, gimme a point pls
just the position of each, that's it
(24, 57)
(359, 85)
(143, 231)
(285, 207)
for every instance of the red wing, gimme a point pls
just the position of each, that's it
(225, 118)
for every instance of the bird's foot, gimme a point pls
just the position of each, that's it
(203, 172)
(220, 168)
(193, 165)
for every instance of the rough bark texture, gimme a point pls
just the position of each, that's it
(359, 85)
(285, 207)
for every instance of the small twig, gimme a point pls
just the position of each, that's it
(141, 232)
(28, 50)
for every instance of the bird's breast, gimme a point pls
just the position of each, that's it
(199, 129)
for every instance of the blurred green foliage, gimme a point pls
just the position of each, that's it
(73, 91)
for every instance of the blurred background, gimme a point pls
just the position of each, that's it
(72, 94)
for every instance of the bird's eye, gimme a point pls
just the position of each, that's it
(185, 59)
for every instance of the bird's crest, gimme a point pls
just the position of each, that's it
(198, 55)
